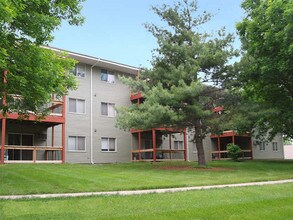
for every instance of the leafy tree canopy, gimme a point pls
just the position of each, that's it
(266, 69)
(34, 72)
(173, 88)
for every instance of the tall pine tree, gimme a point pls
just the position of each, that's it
(174, 90)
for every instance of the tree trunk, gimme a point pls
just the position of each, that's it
(199, 144)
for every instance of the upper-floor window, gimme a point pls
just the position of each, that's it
(76, 143)
(79, 70)
(108, 109)
(76, 106)
(107, 76)
(275, 146)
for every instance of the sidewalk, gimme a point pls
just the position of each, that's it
(139, 192)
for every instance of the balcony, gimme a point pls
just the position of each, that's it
(55, 116)
(32, 154)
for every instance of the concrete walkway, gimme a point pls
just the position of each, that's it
(139, 192)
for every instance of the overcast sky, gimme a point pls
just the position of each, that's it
(114, 29)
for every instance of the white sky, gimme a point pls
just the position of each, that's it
(114, 29)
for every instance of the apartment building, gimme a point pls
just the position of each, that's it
(81, 127)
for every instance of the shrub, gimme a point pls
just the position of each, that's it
(234, 151)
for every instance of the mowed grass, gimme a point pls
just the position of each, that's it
(258, 202)
(64, 178)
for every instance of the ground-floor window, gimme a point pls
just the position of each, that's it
(76, 143)
(178, 145)
(275, 146)
(16, 139)
(262, 146)
(108, 144)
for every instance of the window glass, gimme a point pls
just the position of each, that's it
(76, 143)
(111, 78)
(72, 105)
(104, 108)
(107, 76)
(57, 110)
(80, 70)
(111, 144)
(104, 75)
(104, 144)
(111, 110)
(178, 145)
(81, 143)
(14, 139)
(80, 106)
(76, 105)
(71, 143)
(108, 109)
(108, 144)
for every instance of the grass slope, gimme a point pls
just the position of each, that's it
(53, 178)
(258, 202)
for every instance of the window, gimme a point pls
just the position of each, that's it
(76, 106)
(275, 146)
(57, 110)
(108, 144)
(79, 70)
(178, 145)
(76, 143)
(21, 139)
(108, 109)
(262, 146)
(107, 76)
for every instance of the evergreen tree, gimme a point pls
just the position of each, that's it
(174, 90)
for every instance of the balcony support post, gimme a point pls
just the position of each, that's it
(185, 144)
(3, 121)
(63, 129)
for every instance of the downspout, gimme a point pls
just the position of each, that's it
(91, 114)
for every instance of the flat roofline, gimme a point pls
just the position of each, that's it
(97, 61)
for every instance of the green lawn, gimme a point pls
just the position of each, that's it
(258, 202)
(53, 178)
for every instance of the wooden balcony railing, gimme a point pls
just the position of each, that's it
(50, 154)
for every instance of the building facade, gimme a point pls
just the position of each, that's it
(81, 128)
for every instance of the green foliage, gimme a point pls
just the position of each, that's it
(174, 93)
(234, 151)
(266, 69)
(34, 73)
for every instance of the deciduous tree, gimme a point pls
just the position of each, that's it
(34, 72)
(266, 68)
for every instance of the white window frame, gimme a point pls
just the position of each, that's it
(108, 145)
(108, 73)
(262, 146)
(77, 73)
(76, 143)
(76, 106)
(275, 146)
(177, 144)
(108, 109)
